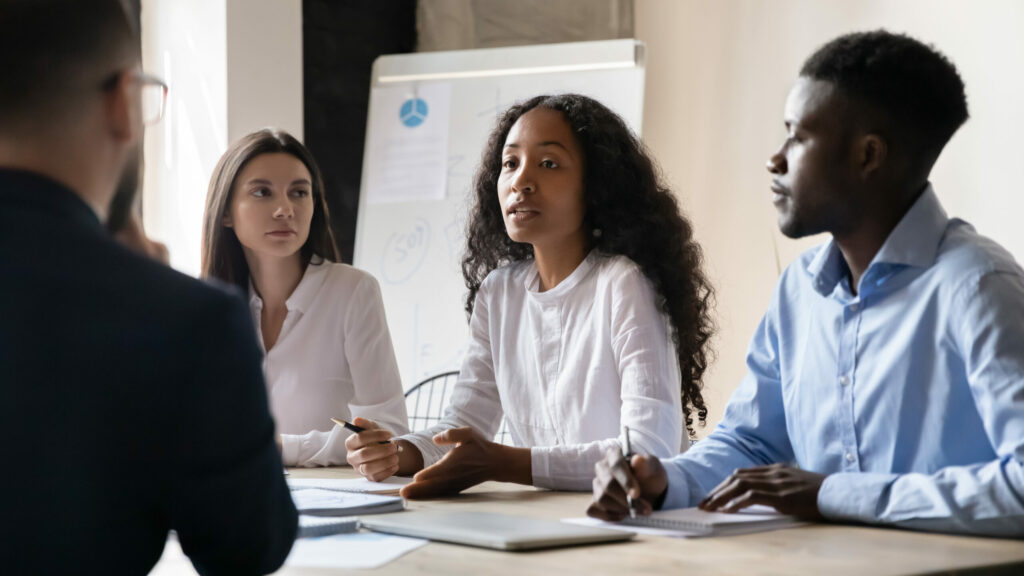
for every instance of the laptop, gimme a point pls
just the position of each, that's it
(487, 530)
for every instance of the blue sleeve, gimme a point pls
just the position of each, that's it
(752, 432)
(985, 498)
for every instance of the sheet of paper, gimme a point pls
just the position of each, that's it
(408, 143)
(362, 550)
(587, 521)
(389, 486)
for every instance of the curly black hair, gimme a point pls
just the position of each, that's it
(636, 213)
(916, 89)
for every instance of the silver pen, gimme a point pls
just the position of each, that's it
(627, 454)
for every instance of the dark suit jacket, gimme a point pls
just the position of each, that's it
(132, 402)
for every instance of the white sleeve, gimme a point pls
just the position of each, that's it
(378, 386)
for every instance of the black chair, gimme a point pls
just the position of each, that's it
(427, 401)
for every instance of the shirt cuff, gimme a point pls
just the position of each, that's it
(678, 493)
(429, 451)
(540, 468)
(290, 449)
(853, 495)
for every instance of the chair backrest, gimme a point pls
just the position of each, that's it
(427, 401)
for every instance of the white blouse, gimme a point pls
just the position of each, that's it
(333, 358)
(567, 367)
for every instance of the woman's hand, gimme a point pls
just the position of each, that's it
(474, 459)
(375, 458)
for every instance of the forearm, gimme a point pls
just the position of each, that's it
(516, 466)
(693, 474)
(410, 459)
(315, 448)
(983, 499)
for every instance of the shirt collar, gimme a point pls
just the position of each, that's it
(914, 242)
(304, 294)
(37, 190)
(532, 282)
(312, 279)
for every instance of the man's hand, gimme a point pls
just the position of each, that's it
(644, 478)
(789, 490)
(474, 459)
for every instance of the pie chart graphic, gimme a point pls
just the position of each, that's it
(413, 112)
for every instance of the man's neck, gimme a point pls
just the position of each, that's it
(861, 244)
(61, 167)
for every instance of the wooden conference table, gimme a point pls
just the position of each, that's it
(818, 549)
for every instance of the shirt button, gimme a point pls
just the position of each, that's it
(849, 457)
(844, 380)
(854, 307)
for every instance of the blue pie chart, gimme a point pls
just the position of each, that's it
(413, 112)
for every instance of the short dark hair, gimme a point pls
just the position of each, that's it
(51, 51)
(915, 88)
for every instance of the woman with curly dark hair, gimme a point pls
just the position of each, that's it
(589, 311)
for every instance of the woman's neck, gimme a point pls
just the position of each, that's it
(275, 278)
(556, 263)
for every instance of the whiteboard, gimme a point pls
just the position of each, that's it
(414, 248)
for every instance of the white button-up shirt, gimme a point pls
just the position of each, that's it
(333, 358)
(567, 367)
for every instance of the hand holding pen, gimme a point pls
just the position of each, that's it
(627, 484)
(370, 450)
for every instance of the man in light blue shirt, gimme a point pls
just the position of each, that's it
(885, 383)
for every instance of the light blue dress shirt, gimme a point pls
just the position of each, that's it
(909, 395)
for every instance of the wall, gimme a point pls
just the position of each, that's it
(468, 24)
(717, 78)
(264, 45)
(232, 66)
(183, 42)
(341, 40)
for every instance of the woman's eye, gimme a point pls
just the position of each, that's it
(510, 163)
(300, 193)
(261, 192)
(549, 164)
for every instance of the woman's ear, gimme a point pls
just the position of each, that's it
(226, 220)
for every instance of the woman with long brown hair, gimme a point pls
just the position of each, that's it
(321, 323)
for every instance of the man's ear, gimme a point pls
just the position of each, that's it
(872, 153)
(121, 105)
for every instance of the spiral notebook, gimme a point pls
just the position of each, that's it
(697, 522)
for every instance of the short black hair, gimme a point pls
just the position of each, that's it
(915, 88)
(52, 51)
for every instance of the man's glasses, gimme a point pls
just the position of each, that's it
(153, 94)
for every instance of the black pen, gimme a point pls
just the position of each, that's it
(358, 429)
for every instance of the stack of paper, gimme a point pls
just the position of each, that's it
(316, 526)
(320, 502)
(389, 487)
